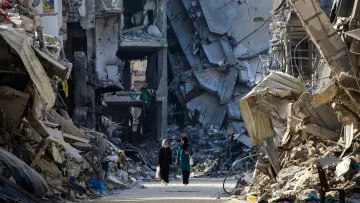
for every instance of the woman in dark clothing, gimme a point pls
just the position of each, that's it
(165, 160)
(183, 157)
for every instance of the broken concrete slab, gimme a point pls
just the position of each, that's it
(218, 20)
(210, 108)
(184, 29)
(22, 46)
(244, 75)
(229, 85)
(321, 115)
(321, 132)
(259, 125)
(209, 79)
(228, 51)
(68, 125)
(332, 48)
(52, 66)
(214, 53)
(233, 110)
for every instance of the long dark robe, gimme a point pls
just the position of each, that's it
(165, 160)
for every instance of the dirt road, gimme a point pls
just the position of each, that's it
(199, 190)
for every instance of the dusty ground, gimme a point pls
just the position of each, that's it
(199, 190)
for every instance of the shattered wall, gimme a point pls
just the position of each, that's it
(107, 64)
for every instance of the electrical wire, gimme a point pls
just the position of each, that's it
(247, 36)
(233, 165)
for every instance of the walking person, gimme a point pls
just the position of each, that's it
(183, 158)
(165, 161)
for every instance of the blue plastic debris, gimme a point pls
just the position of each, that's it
(312, 197)
(98, 185)
(72, 180)
(297, 174)
(356, 167)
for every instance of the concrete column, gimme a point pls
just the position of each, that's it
(162, 92)
(92, 78)
(162, 95)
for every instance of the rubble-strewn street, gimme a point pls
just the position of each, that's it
(101, 100)
(200, 190)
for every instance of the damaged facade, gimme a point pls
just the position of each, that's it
(118, 49)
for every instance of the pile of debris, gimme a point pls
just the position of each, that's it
(308, 130)
(44, 156)
(211, 71)
(214, 150)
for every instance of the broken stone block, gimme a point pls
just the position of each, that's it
(209, 79)
(229, 86)
(211, 111)
(214, 53)
(244, 75)
(233, 110)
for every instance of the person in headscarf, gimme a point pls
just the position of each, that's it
(183, 158)
(165, 161)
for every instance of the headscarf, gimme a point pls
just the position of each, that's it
(186, 143)
(163, 144)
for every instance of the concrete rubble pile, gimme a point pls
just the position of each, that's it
(211, 68)
(304, 118)
(44, 156)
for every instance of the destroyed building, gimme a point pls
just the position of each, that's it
(66, 68)
(120, 70)
(304, 115)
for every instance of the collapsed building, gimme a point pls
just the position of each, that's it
(304, 115)
(212, 65)
(55, 77)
